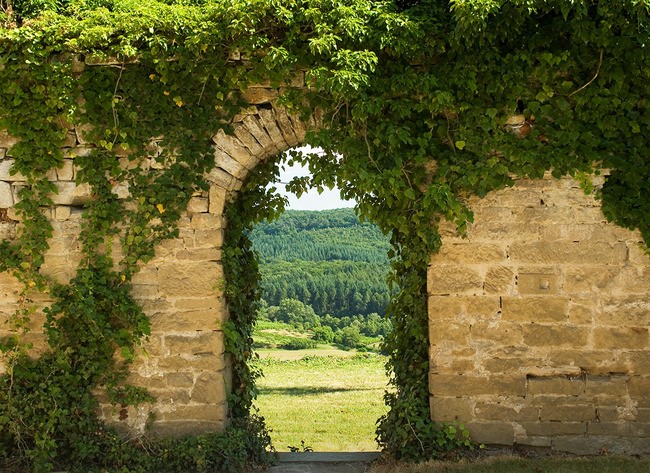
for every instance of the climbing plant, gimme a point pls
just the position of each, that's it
(419, 105)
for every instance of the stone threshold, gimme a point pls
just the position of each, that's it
(327, 457)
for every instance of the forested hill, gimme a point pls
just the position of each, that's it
(325, 235)
(327, 259)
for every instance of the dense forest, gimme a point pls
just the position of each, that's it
(328, 259)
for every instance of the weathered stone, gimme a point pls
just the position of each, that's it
(504, 412)
(230, 165)
(217, 199)
(285, 126)
(448, 307)
(626, 310)
(621, 337)
(6, 140)
(450, 409)
(454, 280)
(451, 385)
(182, 428)
(71, 194)
(499, 280)
(195, 343)
(536, 283)
(557, 385)
(570, 413)
(6, 174)
(555, 335)
(197, 205)
(491, 433)
(470, 253)
(6, 196)
(257, 130)
(209, 388)
(569, 252)
(270, 125)
(553, 429)
(613, 385)
(535, 309)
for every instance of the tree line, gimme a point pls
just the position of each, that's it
(327, 259)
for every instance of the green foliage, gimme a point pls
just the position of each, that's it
(415, 101)
(298, 344)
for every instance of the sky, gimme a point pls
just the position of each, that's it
(312, 200)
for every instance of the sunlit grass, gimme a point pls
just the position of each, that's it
(331, 403)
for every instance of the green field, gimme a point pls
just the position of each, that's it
(330, 403)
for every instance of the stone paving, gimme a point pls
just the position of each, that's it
(323, 462)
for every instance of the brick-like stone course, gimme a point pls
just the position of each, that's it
(564, 317)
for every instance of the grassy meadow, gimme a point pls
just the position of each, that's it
(329, 402)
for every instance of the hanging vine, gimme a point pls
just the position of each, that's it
(423, 104)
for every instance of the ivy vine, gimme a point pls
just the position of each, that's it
(421, 105)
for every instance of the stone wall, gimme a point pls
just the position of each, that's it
(539, 319)
(539, 324)
(183, 362)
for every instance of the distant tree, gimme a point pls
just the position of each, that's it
(294, 312)
(348, 337)
(323, 334)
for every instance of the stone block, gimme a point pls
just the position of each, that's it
(209, 388)
(638, 254)
(186, 321)
(6, 196)
(499, 280)
(6, 174)
(6, 140)
(596, 444)
(248, 142)
(285, 126)
(183, 428)
(180, 379)
(619, 429)
(535, 308)
(230, 165)
(197, 205)
(194, 343)
(449, 409)
(551, 336)
(553, 429)
(190, 279)
(187, 362)
(491, 433)
(448, 332)
(499, 365)
(556, 385)
(537, 283)
(209, 238)
(637, 361)
(638, 388)
(609, 338)
(571, 413)
(453, 280)
(214, 412)
(62, 212)
(257, 130)
(221, 178)
(634, 280)
(582, 311)
(625, 310)
(501, 333)
(267, 117)
(217, 199)
(450, 307)
(589, 278)
(460, 385)
(594, 362)
(259, 95)
(569, 252)
(469, 253)
(199, 254)
(71, 194)
(606, 386)
(505, 412)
